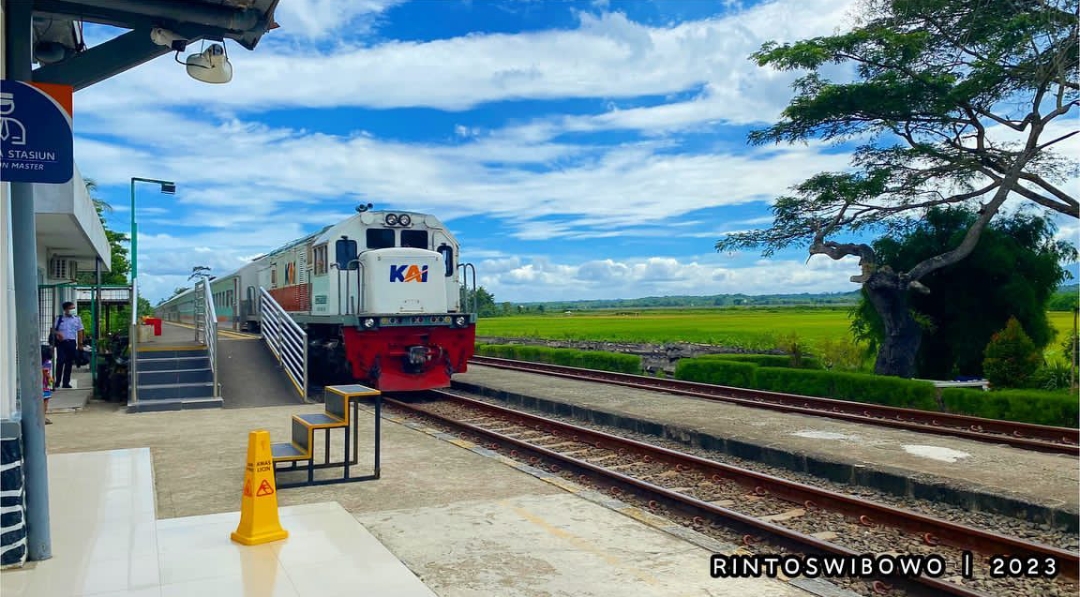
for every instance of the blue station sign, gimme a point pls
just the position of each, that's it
(35, 132)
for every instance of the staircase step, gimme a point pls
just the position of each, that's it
(176, 390)
(158, 378)
(173, 364)
(284, 451)
(174, 404)
(150, 355)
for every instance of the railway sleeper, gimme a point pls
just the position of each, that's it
(794, 513)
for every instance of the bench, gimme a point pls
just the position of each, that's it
(336, 415)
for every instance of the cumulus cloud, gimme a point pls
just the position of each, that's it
(606, 56)
(516, 279)
(237, 173)
(316, 19)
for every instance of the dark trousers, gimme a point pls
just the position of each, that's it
(66, 351)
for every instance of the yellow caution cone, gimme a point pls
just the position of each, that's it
(258, 507)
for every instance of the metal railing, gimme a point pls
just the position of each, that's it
(206, 326)
(286, 339)
(468, 295)
(133, 367)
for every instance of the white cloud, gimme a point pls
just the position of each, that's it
(516, 279)
(316, 19)
(239, 173)
(607, 56)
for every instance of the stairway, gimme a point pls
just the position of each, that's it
(174, 379)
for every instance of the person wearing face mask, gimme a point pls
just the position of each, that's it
(69, 336)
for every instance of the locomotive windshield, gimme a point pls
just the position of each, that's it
(416, 239)
(380, 238)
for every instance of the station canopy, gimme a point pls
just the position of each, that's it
(63, 57)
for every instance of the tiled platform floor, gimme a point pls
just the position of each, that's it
(107, 543)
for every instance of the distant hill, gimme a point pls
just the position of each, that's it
(717, 300)
(1063, 298)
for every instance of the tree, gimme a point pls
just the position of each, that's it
(939, 85)
(483, 301)
(120, 266)
(1011, 357)
(1012, 272)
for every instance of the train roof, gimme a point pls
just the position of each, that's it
(294, 243)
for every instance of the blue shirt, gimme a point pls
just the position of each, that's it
(70, 326)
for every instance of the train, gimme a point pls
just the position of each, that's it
(382, 297)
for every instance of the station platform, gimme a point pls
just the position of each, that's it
(465, 521)
(173, 336)
(976, 475)
(107, 541)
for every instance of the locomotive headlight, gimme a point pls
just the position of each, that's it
(369, 323)
(404, 219)
(459, 320)
(391, 219)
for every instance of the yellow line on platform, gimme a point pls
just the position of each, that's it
(231, 335)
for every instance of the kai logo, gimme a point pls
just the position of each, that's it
(408, 273)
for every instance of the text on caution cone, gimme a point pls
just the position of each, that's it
(258, 505)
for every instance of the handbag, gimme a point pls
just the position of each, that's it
(52, 333)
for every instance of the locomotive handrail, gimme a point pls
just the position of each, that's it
(285, 339)
(468, 301)
(359, 280)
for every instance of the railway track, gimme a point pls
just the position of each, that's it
(709, 495)
(1041, 438)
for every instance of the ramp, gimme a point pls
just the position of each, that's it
(250, 376)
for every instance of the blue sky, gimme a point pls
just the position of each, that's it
(578, 150)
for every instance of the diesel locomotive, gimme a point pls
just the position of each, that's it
(381, 296)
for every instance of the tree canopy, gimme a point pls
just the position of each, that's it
(1014, 270)
(953, 102)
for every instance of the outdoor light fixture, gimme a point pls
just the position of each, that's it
(168, 187)
(210, 66)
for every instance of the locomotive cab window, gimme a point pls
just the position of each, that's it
(345, 251)
(416, 239)
(320, 260)
(448, 258)
(380, 238)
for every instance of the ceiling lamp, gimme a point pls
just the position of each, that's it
(211, 66)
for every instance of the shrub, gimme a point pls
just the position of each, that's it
(854, 387)
(588, 359)
(1070, 347)
(790, 343)
(794, 381)
(1026, 406)
(840, 355)
(716, 371)
(888, 391)
(1054, 376)
(1011, 357)
(764, 360)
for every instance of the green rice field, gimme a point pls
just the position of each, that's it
(755, 329)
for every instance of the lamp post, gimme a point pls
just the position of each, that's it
(167, 188)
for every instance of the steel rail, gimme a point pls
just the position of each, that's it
(1041, 438)
(933, 531)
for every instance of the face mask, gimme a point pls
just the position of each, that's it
(71, 311)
